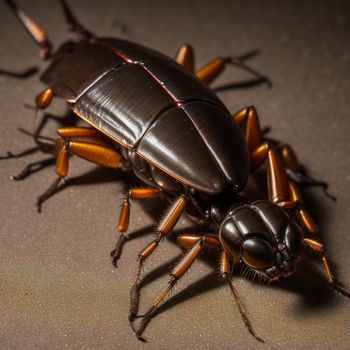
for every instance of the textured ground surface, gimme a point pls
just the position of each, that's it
(57, 286)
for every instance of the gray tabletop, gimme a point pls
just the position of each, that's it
(57, 285)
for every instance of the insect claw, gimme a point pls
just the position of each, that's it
(39, 207)
(141, 338)
(16, 178)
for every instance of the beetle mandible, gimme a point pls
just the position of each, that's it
(157, 118)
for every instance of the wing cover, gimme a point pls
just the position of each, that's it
(77, 66)
(173, 144)
(223, 138)
(135, 52)
(181, 83)
(123, 104)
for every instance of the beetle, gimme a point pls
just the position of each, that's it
(157, 118)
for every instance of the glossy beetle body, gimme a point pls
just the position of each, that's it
(140, 99)
(157, 117)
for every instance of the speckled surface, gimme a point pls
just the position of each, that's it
(58, 288)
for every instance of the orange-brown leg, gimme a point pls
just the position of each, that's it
(296, 172)
(280, 190)
(310, 226)
(294, 200)
(45, 144)
(319, 248)
(247, 119)
(214, 68)
(85, 143)
(185, 57)
(260, 151)
(44, 99)
(196, 243)
(225, 272)
(163, 228)
(135, 194)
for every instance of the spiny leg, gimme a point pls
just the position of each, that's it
(163, 228)
(135, 194)
(319, 248)
(185, 57)
(287, 195)
(85, 143)
(247, 119)
(225, 272)
(197, 243)
(305, 218)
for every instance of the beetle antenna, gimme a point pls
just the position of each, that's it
(74, 24)
(33, 29)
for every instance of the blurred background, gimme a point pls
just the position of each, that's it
(57, 284)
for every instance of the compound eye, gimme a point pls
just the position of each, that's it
(294, 239)
(231, 238)
(258, 253)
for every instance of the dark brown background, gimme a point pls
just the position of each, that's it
(58, 288)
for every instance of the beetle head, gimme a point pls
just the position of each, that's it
(262, 236)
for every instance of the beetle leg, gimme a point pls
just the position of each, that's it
(185, 57)
(297, 173)
(214, 68)
(164, 227)
(225, 272)
(44, 144)
(33, 29)
(277, 182)
(135, 194)
(85, 143)
(180, 269)
(319, 248)
(75, 26)
(248, 120)
(187, 241)
(296, 198)
(260, 151)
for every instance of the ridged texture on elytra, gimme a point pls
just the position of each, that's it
(123, 104)
(223, 138)
(76, 67)
(181, 83)
(173, 143)
(134, 94)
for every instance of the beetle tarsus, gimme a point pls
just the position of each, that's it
(33, 168)
(24, 153)
(56, 186)
(28, 72)
(117, 251)
(239, 63)
(307, 180)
